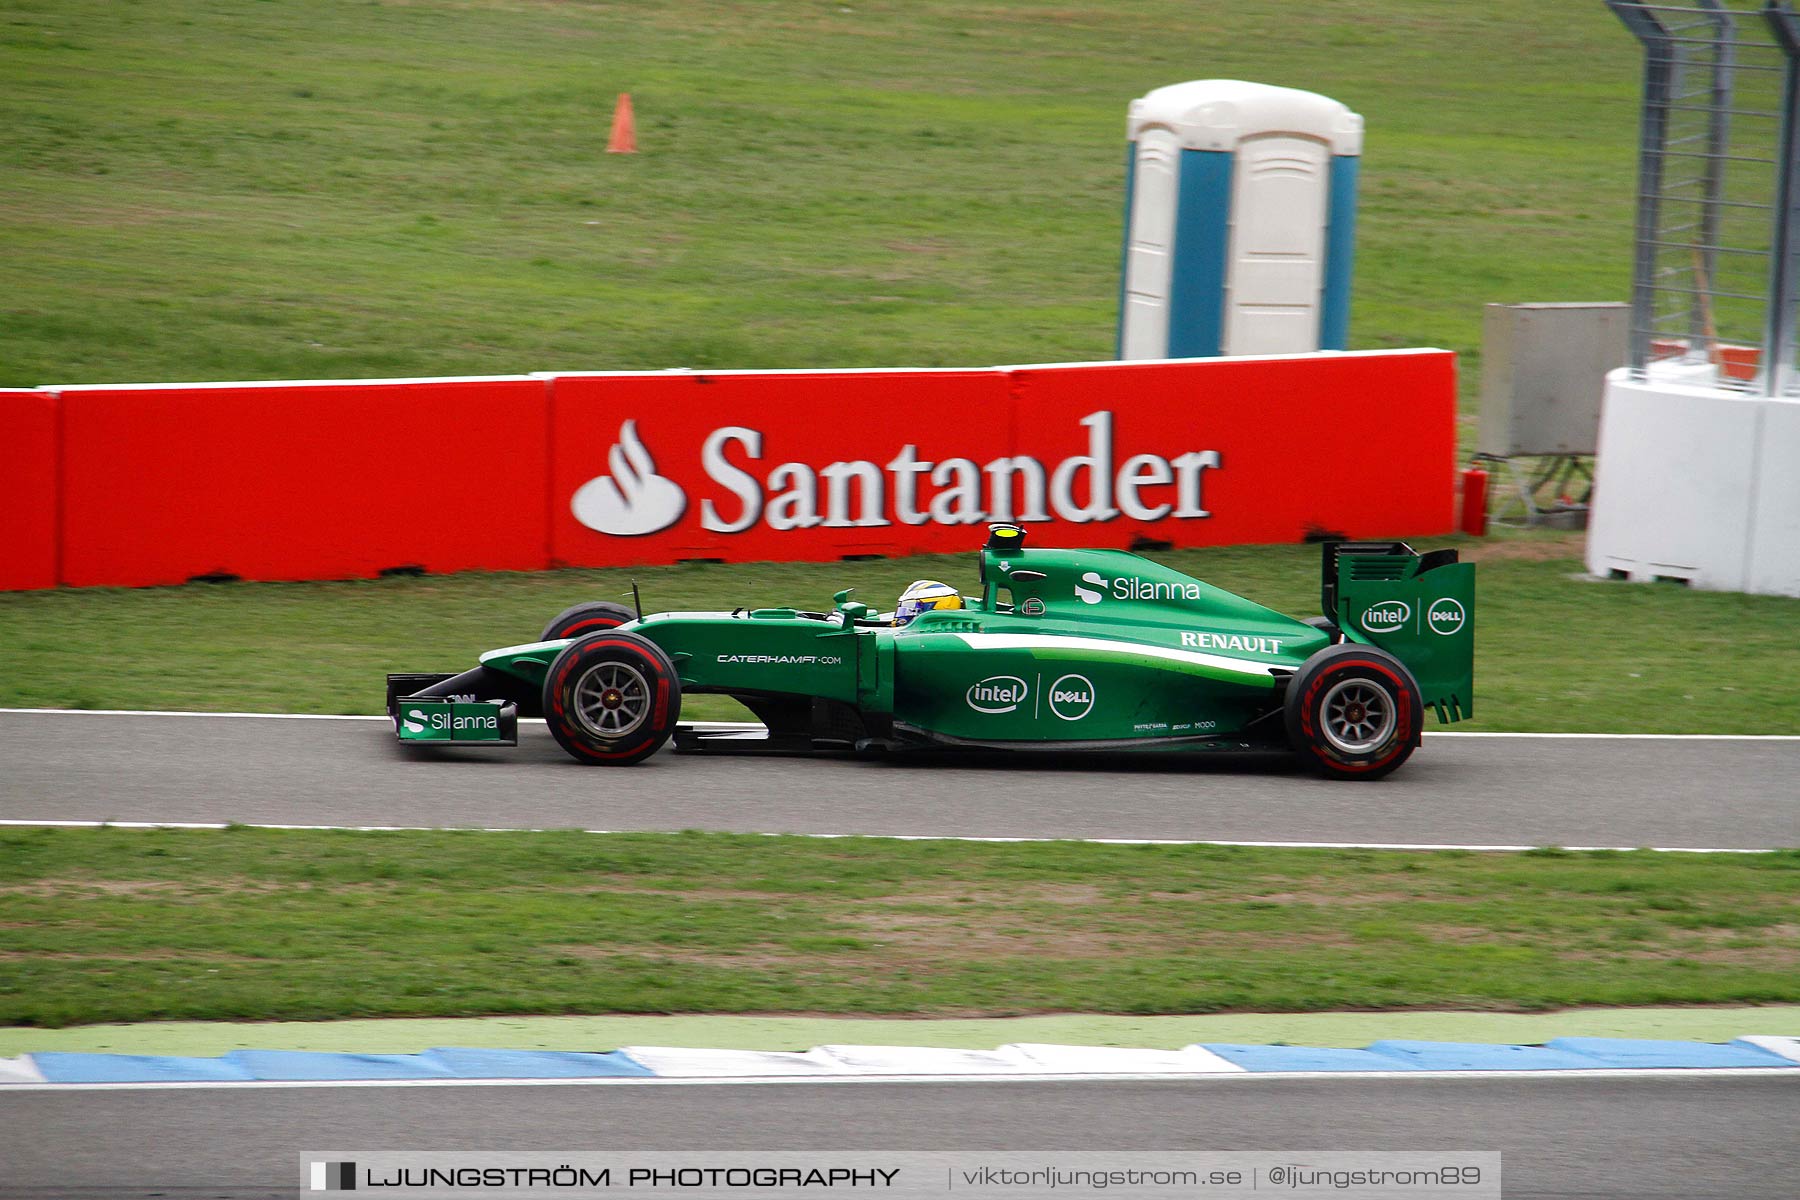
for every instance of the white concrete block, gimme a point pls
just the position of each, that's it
(1774, 567)
(1674, 480)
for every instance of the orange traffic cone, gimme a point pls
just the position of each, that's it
(624, 130)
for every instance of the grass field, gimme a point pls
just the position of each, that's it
(1554, 651)
(228, 189)
(232, 189)
(114, 925)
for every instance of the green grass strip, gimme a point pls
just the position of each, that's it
(412, 1035)
(135, 925)
(929, 183)
(1555, 652)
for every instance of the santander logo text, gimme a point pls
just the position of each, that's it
(906, 489)
(634, 499)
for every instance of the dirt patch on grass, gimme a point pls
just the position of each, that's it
(173, 889)
(1024, 893)
(89, 888)
(1349, 898)
(925, 246)
(1536, 549)
(196, 956)
(699, 893)
(765, 960)
(916, 937)
(883, 941)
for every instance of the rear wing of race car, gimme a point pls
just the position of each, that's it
(1418, 607)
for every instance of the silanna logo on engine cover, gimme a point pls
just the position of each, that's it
(633, 499)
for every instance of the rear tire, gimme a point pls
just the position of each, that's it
(611, 699)
(1354, 712)
(589, 617)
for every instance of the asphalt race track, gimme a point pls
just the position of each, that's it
(1461, 790)
(1649, 1138)
(1663, 1139)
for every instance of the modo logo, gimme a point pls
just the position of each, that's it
(1389, 616)
(997, 694)
(634, 499)
(1445, 616)
(1072, 697)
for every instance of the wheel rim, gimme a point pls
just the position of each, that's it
(611, 699)
(1357, 716)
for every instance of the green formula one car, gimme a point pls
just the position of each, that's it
(1063, 650)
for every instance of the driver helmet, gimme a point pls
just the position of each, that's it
(925, 595)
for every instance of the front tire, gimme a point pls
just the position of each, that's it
(611, 699)
(589, 617)
(1354, 712)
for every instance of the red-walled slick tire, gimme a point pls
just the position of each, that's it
(611, 699)
(1354, 712)
(589, 617)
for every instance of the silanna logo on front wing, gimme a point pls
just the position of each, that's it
(634, 500)
(418, 722)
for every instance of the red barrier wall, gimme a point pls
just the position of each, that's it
(28, 483)
(303, 480)
(160, 484)
(1362, 445)
(1207, 452)
(752, 423)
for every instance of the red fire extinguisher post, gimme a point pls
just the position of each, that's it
(1474, 501)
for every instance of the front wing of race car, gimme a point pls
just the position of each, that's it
(460, 720)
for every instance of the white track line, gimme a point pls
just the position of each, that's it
(1445, 733)
(32, 822)
(842, 1080)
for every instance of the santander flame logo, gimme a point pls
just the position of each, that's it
(634, 499)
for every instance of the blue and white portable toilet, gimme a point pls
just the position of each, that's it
(1240, 221)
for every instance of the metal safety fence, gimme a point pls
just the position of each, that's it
(1715, 280)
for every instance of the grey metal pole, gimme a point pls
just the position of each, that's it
(1775, 372)
(1718, 139)
(1659, 68)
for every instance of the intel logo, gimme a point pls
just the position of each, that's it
(997, 694)
(1445, 616)
(1072, 697)
(1387, 617)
